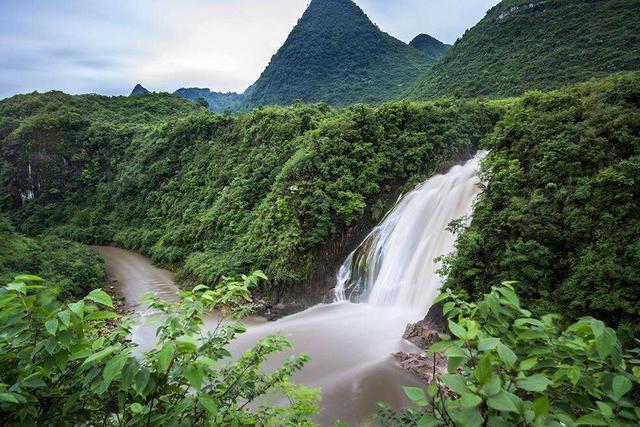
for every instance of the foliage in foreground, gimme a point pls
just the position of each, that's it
(62, 366)
(507, 368)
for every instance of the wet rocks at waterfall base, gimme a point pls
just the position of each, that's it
(423, 334)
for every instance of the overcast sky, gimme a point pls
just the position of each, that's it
(107, 46)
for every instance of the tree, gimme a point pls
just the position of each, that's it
(201, 102)
(62, 365)
(506, 368)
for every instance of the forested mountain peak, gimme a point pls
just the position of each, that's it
(139, 90)
(522, 45)
(337, 55)
(430, 46)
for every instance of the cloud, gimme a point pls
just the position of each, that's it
(81, 46)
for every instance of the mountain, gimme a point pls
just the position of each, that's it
(430, 46)
(139, 90)
(335, 54)
(218, 102)
(522, 45)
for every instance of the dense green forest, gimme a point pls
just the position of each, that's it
(70, 267)
(429, 46)
(215, 194)
(524, 45)
(218, 102)
(560, 208)
(541, 301)
(335, 54)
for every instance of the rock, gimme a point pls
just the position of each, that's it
(424, 333)
(421, 365)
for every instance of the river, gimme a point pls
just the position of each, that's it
(392, 276)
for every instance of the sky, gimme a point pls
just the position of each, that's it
(107, 46)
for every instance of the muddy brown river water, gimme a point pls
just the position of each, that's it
(350, 345)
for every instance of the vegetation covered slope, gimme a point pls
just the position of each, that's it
(270, 189)
(45, 139)
(71, 267)
(429, 46)
(560, 208)
(218, 102)
(524, 45)
(335, 54)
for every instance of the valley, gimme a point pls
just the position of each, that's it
(374, 233)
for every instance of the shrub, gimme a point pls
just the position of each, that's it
(507, 368)
(63, 366)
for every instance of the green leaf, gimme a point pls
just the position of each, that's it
(606, 342)
(97, 357)
(187, 343)
(541, 406)
(457, 330)
(209, 404)
(528, 364)
(469, 401)
(18, 287)
(51, 326)
(448, 307)
(455, 383)
(486, 344)
(8, 397)
(502, 402)
(470, 418)
(28, 278)
(416, 394)
(260, 275)
(443, 296)
(621, 386)
(165, 356)
(113, 368)
(432, 390)
(493, 386)
(506, 355)
(195, 375)
(591, 420)
(535, 383)
(473, 328)
(510, 296)
(574, 374)
(77, 308)
(455, 351)
(605, 409)
(101, 297)
(428, 421)
(136, 408)
(483, 370)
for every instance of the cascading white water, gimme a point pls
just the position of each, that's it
(395, 265)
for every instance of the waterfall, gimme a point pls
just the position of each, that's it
(395, 264)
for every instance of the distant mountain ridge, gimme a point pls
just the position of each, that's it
(334, 54)
(430, 46)
(139, 90)
(218, 101)
(522, 45)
